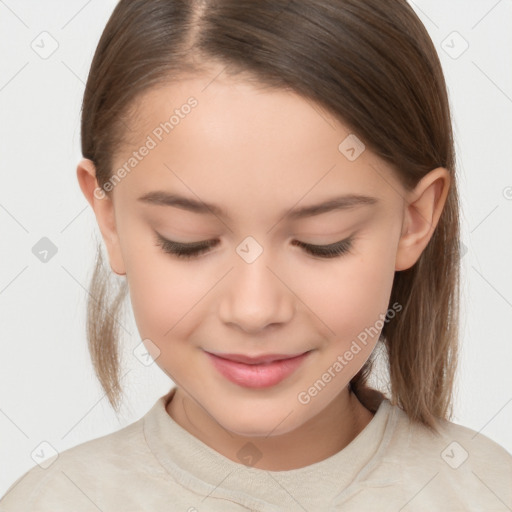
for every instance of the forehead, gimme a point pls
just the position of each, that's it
(219, 138)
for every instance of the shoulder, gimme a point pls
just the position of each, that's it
(75, 478)
(455, 445)
(457, 467)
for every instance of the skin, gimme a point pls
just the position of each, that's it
(258, 153)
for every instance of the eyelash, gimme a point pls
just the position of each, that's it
(189, 251)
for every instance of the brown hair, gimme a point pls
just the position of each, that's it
(369, 62)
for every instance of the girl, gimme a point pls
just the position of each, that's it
(276, 180)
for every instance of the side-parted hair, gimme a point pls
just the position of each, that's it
(372, 64)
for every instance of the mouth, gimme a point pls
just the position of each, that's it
(260, 359)
(259, 371)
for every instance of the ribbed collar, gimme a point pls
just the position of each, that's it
(201, 469)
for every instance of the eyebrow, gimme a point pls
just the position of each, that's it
(345, 202)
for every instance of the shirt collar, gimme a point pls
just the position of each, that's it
(203, 470)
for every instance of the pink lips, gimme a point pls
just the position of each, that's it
(256, 372)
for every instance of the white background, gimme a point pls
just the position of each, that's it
(48, 391)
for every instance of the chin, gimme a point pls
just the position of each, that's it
(259, 424)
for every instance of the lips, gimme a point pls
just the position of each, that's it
(262, 371)
(261, 359)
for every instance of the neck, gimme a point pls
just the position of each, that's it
(319, 438)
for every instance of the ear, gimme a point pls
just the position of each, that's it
(424, 206)
(103, 207)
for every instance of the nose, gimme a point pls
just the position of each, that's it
(256, 296)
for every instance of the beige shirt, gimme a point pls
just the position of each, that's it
(155, 465)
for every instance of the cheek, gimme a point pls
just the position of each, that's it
(162, 294)
(351, 296)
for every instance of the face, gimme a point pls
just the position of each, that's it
(263, 280)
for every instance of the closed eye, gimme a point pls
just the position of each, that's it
(327, 251)
(192, 250)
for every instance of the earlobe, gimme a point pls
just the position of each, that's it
(103, 208)
(423, 210)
